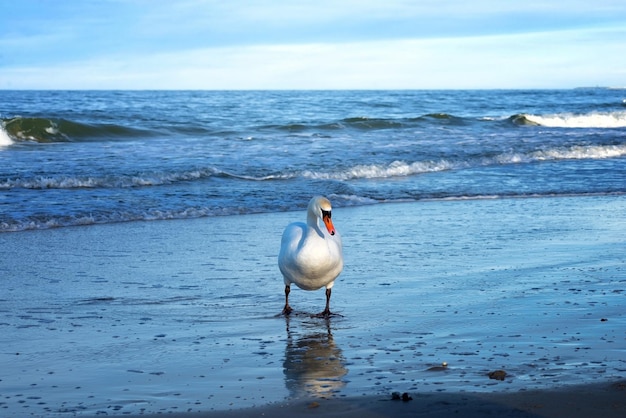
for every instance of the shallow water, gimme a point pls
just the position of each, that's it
(183, 315)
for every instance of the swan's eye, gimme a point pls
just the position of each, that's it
(326, 214)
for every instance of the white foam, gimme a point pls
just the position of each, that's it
(582, 152)
(577, 152)
(353, 200)
(589, 120)
(405, 169)
(374, 171)
(78, 182)
(5, 140)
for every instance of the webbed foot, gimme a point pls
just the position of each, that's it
(326, 314)
(286, 310)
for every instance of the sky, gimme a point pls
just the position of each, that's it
(303, 44)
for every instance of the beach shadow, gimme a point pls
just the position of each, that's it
(314, 365)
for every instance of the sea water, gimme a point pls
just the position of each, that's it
(512, 257)
(90, 157)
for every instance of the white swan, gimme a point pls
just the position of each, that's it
(311, 257)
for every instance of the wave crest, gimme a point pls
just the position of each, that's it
(372, 171)
(45, 130)
(361, 171)
(405, 169)
(89, 182)
(571, 120)
(5, 140)
(581, 152)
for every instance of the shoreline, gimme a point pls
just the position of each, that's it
(607, 400)
(364, 204)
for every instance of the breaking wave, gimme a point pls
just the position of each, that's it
(44, 130)
(120, 181)
(404, 169)
(614, 119)
(396, 168)
(47, 130)
(570, 120)
(373, 171)
(5, 140)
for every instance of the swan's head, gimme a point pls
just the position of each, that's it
(320, 207)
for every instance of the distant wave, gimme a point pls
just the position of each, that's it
(570, 120)
(50, 130)
(363, 123)
(44, 130)
(613, 119)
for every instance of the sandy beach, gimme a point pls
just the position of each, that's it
(608, 400)
(182, 317)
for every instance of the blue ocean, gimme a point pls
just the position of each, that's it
(72, 158)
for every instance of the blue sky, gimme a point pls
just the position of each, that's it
(321, 44)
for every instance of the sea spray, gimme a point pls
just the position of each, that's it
(588, 120)
(5, 140)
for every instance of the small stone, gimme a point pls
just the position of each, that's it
(497, 375)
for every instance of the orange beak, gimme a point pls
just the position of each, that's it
(328, 223)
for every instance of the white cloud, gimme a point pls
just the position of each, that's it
(212, 44)
(541, 60)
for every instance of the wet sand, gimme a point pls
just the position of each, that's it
(600, 400)
(175, 317)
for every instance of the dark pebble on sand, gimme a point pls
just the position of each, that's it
(405, 397)
(497, 375)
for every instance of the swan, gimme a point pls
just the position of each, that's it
(311, 256)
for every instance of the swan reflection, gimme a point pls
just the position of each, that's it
(313, 365)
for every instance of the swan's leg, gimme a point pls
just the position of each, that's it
(326, 312)
(287, 309)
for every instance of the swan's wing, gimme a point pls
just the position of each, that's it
(290, 243)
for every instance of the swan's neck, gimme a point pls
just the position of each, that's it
(311, 220)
